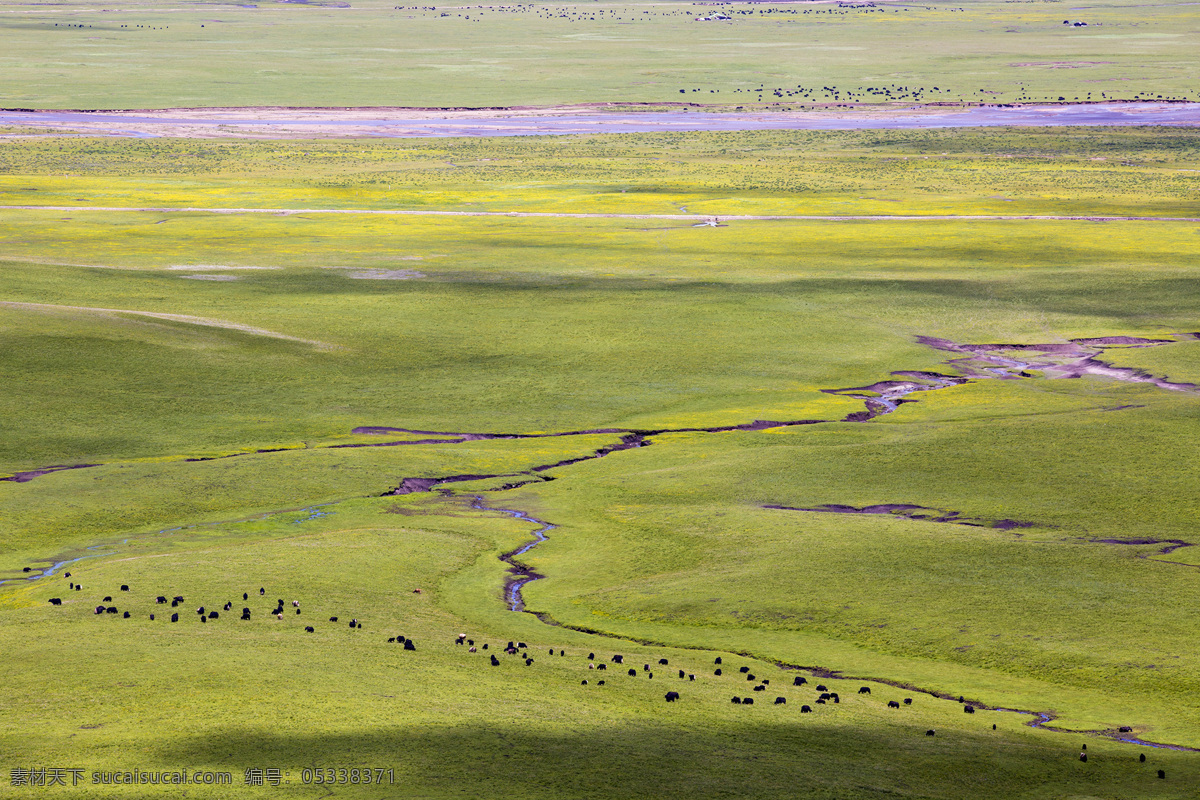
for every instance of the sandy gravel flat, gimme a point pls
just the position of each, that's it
(314, 123)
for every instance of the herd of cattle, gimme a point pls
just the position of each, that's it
(514, 648)
(205, 614)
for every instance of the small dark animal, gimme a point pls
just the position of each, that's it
(662, 661)
(618, 659)
(174, 618)
(213, 615)
(26, 569)
(178, 598)
(820, 702)
(749, 701)
(200, 610)
(56, 601)
(591, 656)
(245, 596)
(261, 592)
(111, 609)
(1083, 757)
(408, 645)
(583, 683)
(760, 688)
(750, 676)
(736, 700)
(78, 586)
(672, 697)
(297, 611)
(1162, 774)
(308, 629)
(682, 673)
(779, 701)
(152, 617)
(599, 683)
(864, 690)
(743, 669)
(124, 587)
(799, 681)
(1125, 729)
(929, 733)
(645, 667)
(602, 666)
(125, 615)
(174, 603)
(108, 599)
(353, 623)
(1142, 757)
(495, 661)
(805, 709)
(821, 688)
(160, 599)
(204, 619)
(718, 661)
(633, 673)
(333, 619)
(716, 672)
(228, 606)
(391, 639)
(67, 575)
(893, 704)
(969, 709)
(529, 662)
(521, 645)
(908, 701)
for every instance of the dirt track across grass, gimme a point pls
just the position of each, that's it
(701, 220)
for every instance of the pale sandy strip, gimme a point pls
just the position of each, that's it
(563, 215)
(188, 318)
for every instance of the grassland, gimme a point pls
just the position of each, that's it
(497, 325)
(153, 55)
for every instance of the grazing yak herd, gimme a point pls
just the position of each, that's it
(824, 696)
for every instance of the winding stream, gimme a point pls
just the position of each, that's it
(518, 574)
(1072, 359)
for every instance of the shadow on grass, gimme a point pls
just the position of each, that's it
(608, 759)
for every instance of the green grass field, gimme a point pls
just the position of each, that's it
(154, 55)
(214, 368)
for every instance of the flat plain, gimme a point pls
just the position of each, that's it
(950, 461)
(150, 54)
(302, 497)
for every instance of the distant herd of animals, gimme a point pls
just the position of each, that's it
(515, 648)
